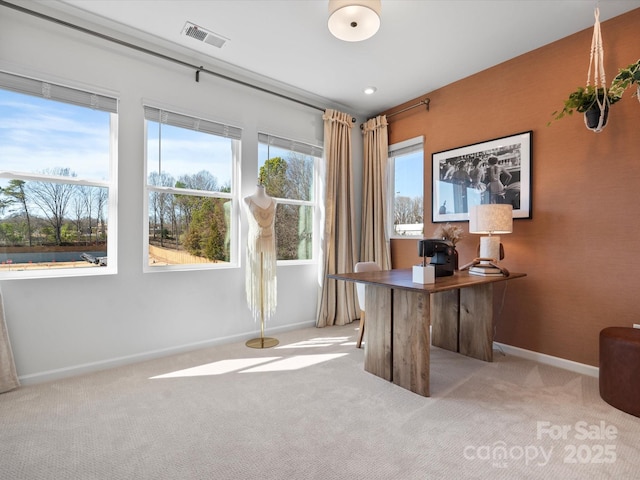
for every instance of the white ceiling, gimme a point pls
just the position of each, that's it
(421, 45)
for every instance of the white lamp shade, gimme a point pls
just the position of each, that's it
(354, 20)
(491, 218)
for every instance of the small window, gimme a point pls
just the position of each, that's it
(58, 150)
(288, 169)
(190, 202)
(406, 184)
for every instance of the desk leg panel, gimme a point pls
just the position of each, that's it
(476, 322)
(444, 319)
(411, 340)
(377, 332)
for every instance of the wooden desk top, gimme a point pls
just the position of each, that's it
(403, 279)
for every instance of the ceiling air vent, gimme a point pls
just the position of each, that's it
(203, 35)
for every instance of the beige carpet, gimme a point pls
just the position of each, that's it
(307, 410)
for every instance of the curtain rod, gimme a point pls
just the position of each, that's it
(198, 69)
(426, 102)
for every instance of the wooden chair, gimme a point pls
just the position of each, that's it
(360, 288)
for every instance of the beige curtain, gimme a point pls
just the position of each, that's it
(337, 301)
(8, 375)
(374, 241)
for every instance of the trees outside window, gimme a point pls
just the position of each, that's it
(288, 169)
(58, 151)
(52, 198)
(406, 188)
(191, 165)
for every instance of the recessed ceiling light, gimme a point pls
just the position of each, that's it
(370, 90)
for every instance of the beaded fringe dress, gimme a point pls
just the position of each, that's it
(261, 284)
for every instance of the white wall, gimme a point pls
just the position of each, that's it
(65, 326)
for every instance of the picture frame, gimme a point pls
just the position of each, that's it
(469, 175)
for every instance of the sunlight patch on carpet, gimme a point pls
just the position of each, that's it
(252, 365)
(217, 368)
(295, 363)
(316, 342)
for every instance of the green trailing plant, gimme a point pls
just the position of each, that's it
(585, 98)
(626, 77)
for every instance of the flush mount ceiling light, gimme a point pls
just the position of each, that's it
(370, 90)
(354, 20)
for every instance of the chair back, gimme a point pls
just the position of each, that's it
(364, 267)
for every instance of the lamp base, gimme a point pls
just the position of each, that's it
(490, 247)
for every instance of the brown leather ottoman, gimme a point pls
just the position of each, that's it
(620, 368)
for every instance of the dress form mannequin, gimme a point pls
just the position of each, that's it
(259, 197)
(260, 277)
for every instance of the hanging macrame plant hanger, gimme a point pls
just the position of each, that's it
(596, 66)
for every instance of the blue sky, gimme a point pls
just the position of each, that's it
(38, 134)
(409, 175)
(187, 152)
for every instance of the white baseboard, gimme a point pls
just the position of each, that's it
(57, 374)
(549, 360)
(51, 375)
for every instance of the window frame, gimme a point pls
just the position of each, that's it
(234, 196)
(398, 149)
(316, 152)
(86, 97)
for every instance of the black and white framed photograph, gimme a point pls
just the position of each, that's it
(495, 171)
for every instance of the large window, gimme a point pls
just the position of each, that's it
(406, 184)
(57, 176)
(288, 169)
(191, 174)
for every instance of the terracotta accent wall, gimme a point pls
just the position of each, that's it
(581, 248)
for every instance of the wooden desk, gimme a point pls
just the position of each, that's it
(458, 308)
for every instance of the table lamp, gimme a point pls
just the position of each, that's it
(491, 219)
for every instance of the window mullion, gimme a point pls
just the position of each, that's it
(34, 177)
(188, 191)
